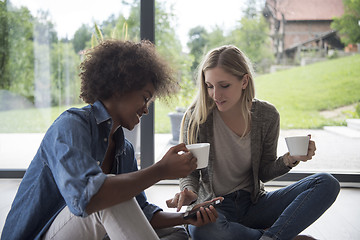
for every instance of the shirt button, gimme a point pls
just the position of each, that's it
(98, 162)
(109, 122)
(105, 139)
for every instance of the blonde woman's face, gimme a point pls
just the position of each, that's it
(224, 88)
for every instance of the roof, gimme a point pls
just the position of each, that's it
(330, 37)
(301, 10)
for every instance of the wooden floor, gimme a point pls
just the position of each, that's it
(340, 222)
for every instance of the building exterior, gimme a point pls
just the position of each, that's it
(302, 25)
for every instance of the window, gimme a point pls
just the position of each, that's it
(276, 36)
(43, 43)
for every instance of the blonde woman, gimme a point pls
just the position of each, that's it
(243, 134)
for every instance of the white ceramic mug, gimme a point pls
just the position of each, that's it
(298, 145)
(201, 152)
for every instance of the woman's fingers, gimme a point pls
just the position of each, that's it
(173, 202)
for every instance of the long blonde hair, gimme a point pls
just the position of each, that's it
(232, 60)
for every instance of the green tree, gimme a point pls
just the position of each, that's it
(198, 42)
(252, 37)
(44, 38)
(201, 41)
(133, 20)
(65, 82)
(217, 38)
(34, 63)
(250, 12)
(348, 25)
(120, 27)
(168, 45)
(18, 70)
(4, 45)
(81, 37)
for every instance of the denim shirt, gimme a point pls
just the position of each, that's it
(66, 172)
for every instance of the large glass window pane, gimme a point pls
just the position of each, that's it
(302, 64)
(42, 44)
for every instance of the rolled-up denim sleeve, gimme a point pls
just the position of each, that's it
(92, 187)
(75, 171)
(148, 208)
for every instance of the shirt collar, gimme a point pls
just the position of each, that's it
(100, 113)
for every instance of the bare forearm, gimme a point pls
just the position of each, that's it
(123, 187)
(166, 219)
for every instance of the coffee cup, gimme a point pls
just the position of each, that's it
(201, 152)
(298, 145)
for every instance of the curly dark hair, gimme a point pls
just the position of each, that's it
(118, 67)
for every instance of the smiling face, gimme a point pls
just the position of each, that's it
(224, 88)
(126, 110)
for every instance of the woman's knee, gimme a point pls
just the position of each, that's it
(329, 182)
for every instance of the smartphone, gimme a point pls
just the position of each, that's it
(192, 213)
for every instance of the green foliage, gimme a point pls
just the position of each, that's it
(197, 44)
(251, 36)
(65, 87)
(187, 92)
(357, 111)
(250, 12)
(168, 45)
(162, 121)
(133, 21)
(123, 34)
(353, 114)
(217, 38)
(201, 41)
(35, 64)
(16, 66)
(81, 36)
(4, 45)
(98, 33)
(348, 24)
(333, 55)
(97, 37)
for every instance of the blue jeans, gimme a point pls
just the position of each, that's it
(281, 214)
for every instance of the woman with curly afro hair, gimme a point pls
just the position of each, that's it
(83, 182)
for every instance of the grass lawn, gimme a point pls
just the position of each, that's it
(299, 94)
(162, 120)
(29, 120)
